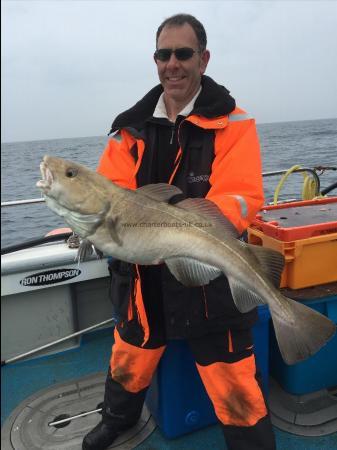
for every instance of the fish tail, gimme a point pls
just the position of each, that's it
(302, 333)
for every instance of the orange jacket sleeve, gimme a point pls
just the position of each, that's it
(117, 163)
(236, 177)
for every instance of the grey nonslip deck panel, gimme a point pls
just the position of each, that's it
(313, 414)
(27, 427)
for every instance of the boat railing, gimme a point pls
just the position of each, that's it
(313, 191)
(300, 170)
(58, 341)
(23, 202)
(313, 171)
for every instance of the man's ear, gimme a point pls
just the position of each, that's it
(205, 56)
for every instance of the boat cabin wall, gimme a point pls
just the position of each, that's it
(36, 318)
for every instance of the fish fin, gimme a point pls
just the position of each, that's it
(303, 333)
(111, 225)
(86, 249)
(210, 211)
(271, 261)
(191, 272)
(244, 299)
(162, 192)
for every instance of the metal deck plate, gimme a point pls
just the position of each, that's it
(313, 414)
(27, 427)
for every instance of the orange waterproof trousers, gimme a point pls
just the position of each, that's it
(226, 365)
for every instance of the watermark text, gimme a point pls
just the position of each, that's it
(166, 224)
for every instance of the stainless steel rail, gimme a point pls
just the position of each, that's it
(77, 416)
(312, 171)
(23, 202)
(58, 341)
(302, 169)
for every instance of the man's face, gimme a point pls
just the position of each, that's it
(180, 79)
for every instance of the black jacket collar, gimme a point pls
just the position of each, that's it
(213, 101)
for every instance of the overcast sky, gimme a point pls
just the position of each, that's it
(69, 67)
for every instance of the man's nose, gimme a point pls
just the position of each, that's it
(173, 61)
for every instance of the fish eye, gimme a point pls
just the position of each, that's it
(71, 172)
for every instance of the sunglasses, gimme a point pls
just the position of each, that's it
(182, 54)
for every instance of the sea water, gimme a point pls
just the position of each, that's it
(307, 143)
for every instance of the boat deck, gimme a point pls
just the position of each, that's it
(19, 381)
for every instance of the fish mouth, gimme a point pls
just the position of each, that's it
(47, 178)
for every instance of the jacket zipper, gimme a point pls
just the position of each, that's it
(172, 134)
(179, 154)
(205, 302)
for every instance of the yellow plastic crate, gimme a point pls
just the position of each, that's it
(309, 262)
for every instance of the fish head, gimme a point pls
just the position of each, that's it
(74, 192)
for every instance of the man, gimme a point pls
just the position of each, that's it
(188, 132)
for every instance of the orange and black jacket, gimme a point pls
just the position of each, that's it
(215, 155)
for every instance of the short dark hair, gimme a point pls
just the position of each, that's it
(181, 19)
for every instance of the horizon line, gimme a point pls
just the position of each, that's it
(103, 135)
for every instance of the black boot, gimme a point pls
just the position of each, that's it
(100, 437)
(256, 437)
(120, 412)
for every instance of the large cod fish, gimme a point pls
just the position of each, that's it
(193, 238)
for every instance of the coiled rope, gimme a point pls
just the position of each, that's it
(309, 187)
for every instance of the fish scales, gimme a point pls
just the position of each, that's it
(192, 237)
